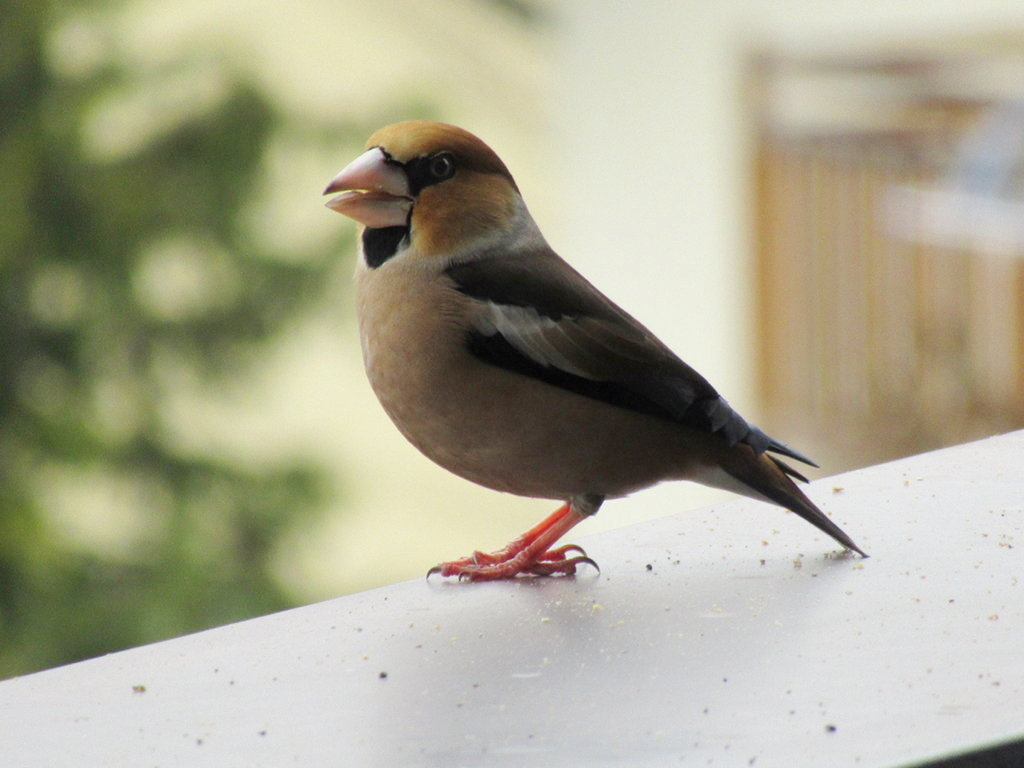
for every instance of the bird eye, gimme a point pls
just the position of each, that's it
(442, 166)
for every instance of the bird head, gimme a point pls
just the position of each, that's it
(440, 184)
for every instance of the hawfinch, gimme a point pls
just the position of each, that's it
(501, 363)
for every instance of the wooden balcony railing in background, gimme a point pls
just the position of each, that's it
(876, 339)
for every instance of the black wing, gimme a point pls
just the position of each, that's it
(541, 318)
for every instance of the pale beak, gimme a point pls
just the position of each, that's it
(375, 192)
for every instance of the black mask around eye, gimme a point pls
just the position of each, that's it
(429, 169)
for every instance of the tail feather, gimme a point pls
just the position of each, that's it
(769, 477)
(788, 469)
(760, 441)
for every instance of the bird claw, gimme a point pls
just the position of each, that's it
(566, 566)
(508, 563)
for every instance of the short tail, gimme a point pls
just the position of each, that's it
(771, 478)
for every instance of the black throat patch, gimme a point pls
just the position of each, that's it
(379, 245)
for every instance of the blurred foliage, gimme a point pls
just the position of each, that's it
(122, 280)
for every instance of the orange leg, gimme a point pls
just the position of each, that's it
(531, 552)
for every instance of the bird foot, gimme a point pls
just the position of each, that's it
(512, 560)
(531, 553)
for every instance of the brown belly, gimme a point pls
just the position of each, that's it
(499, 429)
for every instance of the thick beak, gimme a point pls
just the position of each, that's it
(374, 192)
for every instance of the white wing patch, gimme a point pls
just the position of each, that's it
(540, 338)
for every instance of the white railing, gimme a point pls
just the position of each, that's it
(735, 635)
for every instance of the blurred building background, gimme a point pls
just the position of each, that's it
(817, 204)
(889, 193)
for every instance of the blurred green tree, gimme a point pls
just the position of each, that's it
(120, 279)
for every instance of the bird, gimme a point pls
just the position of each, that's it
(501, 363)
